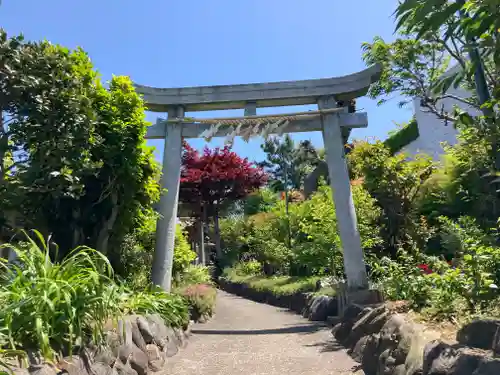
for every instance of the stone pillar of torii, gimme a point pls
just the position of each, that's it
(333, 121)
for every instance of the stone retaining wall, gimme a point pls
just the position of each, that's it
(136, 345)
(313, 307)
(386, 343)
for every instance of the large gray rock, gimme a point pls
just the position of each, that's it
(353, 312)
(396, 349)
(138, 360)
(169, 348)
(444, 359)
(368, 357)
(351, 315)
(488, 366)
(102, 369)
(359, 349)
(158, 329)
(180, 337)
(129, 332)
(75, 365)
(371, 322)
(320, 307)
(125, 331)
(145, 329)
(123, 368)
(105, 355)
(137, 338)
(155, 357)
(479, 333)
(113, 340)
(44, 369)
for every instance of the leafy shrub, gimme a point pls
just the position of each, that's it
(462, 185)
(201, 299)
(170, 307)
(196, 274)
(456, 236)
(401, 280)
(183, 255)
(263, 200)
(137, 253)
(138, 249)
(394, 182)
(469, 286)
(304, 241)
(252, 267)
(53, 305)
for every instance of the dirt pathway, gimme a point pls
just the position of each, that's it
(249, 338)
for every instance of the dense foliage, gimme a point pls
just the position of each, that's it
(459, 199)
(453, 290)
(53, 306)
(73, 159)
(200, 299)
(315, 245)
(395, 183)
(138, 249)
(74, 163)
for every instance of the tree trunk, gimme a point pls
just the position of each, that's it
(218, 249)
(104, 233)
(76, 240)
(201, 237)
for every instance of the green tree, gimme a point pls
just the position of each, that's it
(288, 163)
(73, 159)
(433, 33)
(47, 126)
(469, 30)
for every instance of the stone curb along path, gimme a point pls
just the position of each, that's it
(138, 345)
(386, 343)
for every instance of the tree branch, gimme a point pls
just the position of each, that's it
(458, 99)
(440, 114)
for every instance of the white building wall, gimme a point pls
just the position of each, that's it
(434, 132)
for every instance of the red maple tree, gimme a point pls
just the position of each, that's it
(214, 177)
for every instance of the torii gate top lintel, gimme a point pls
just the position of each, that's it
(270, 94)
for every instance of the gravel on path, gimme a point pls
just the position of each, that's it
(250, 338)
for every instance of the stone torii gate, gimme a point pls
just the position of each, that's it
(335, 123)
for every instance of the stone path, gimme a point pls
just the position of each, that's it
(249, 338)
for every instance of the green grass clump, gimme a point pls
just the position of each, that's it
(277, 285)
(55, 306)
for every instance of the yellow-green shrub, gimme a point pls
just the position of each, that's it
(183, 255)
(314, 244)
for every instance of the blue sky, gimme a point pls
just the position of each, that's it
(175, 43)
